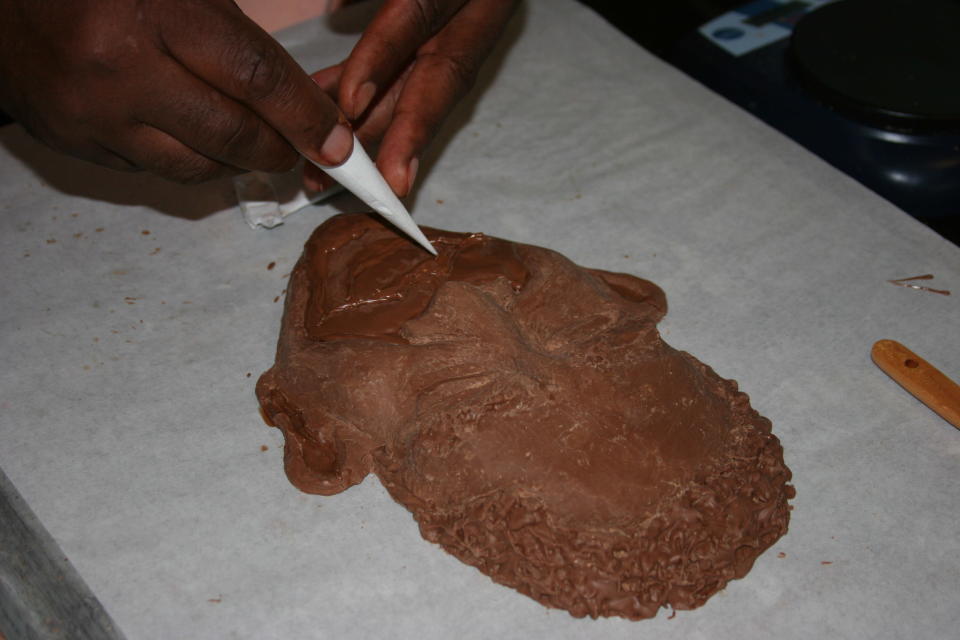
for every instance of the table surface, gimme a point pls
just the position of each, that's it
(137, 315)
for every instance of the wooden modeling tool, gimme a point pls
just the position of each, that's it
(927, 383)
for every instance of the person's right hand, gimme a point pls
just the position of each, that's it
(188, 89)
(413, 63)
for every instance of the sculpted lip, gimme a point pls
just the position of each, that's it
(528, 414)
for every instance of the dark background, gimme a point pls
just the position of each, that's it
(665, 29)
(659, 25)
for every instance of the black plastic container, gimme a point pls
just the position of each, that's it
(871, 86)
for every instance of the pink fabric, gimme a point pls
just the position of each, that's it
(274, 15)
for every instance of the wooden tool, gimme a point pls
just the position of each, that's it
(919, 377)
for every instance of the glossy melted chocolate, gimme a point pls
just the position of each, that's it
(528, 414)
(371, 290)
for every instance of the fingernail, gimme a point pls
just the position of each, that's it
(412, 173)
(337, 147)
(363, 97)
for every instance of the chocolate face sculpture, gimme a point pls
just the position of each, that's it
(528, 414)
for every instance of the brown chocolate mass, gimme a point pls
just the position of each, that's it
(529, 415)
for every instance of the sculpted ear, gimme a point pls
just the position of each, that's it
(321, 454)
(635, 289)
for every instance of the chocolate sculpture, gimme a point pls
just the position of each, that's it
(529, 415)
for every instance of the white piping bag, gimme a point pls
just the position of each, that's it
(360, 176)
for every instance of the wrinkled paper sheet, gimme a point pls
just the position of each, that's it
(136, 317)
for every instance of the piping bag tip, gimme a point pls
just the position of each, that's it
(405, 223)
(360, 176)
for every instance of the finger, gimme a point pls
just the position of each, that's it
(158, 152)
(316, 180)
(369, 136)
(64, 136)
(371, 128)
(328, 79)
(88, 150)
(213, 124)
(444, 71)
(219, 44)
(108, 158)
(387, 46)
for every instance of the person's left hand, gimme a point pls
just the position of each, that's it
(412, 65)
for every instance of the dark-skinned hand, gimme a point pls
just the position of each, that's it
(413, 63)
(188, 89)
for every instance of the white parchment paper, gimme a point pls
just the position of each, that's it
(137, 315)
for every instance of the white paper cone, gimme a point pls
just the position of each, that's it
(360, 176)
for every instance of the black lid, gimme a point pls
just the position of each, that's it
(892, 63)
